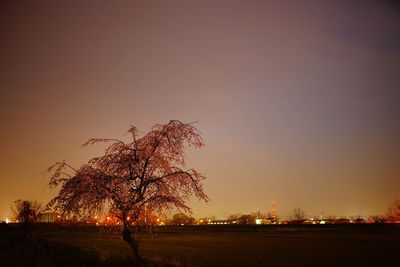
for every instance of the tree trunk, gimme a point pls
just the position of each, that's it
(133, 244)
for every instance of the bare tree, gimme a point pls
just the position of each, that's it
(298, 215)
(26, 211)
(259, 215)
(146, 173)
(234, 218)
(182, 219)
(393, 212)
(247, 219)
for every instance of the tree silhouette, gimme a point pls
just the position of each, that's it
(26, 211)
(182, 219)
(393, 211)
(298, 215)
(247, 219)
(146, 173)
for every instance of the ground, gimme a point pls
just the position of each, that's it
(287, 245)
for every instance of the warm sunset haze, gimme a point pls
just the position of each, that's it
(296, 103)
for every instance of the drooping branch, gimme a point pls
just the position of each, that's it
(147, 171)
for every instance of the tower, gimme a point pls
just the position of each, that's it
(273, 210)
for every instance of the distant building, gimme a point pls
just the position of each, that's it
(220, 222)
(48, 217)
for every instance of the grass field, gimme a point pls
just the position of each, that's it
(303, 245)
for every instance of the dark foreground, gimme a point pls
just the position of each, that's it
(287, 245)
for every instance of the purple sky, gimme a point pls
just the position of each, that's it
(298, 102)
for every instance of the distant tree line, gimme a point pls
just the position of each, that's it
(29, 211)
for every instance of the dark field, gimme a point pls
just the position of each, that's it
(287, 245)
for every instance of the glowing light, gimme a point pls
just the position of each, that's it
(7, 220)
(258, 221)
(95, 217)
(108, 218)
(128, 218)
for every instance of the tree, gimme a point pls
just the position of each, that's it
(259, 215)
(145, 173)
(247, 219)
(182, 219)
(234, 218)
(298, 215)
(26, 211)
(393, 212)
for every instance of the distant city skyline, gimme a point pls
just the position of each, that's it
(298, 102)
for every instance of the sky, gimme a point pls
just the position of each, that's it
(298, 101)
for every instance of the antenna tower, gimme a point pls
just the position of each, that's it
(273, 209)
